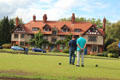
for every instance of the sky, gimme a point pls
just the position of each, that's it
(57, 9)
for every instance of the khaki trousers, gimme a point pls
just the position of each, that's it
(80, 54)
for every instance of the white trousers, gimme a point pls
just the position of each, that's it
(78, 57)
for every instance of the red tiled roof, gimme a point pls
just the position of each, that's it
(84, 26)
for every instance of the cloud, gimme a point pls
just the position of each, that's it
(55, 9)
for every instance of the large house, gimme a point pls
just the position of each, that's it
(56, 30)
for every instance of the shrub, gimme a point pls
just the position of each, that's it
(66, 50)
(55, 50)
(115, 55)
(102, 54)
(99, 54)
(113, 48)
(105, 54)
(110, 55)
(6, 46)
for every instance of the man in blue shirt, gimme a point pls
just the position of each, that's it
(119, 47)
(72, 48)
(81, 44)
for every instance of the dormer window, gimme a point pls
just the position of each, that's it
(46, 28)
(65, 29)
(77, 30)
(35, 29)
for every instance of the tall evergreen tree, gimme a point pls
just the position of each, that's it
(6, 26)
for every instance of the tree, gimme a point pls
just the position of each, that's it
(6, 25)
(38, 40)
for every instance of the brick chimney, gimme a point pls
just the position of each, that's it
(104, 24)
(17, 21)
(73, 18)
(34, 18)
(45, 18)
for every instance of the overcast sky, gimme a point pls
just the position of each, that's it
(56, 9)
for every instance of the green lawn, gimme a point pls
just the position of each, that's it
(46, 67)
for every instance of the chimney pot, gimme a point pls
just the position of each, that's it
(45, 18)
(17, 21)
(73, 18)
(104, 23)
(34, 18)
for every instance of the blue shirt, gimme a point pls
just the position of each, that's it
(72, 45)
(81, 41)
(119, 44)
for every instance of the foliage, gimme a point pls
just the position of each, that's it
(6, 26)
(104, 54)
(66, 51)
(6, 46)
(38, 40)
(67, 39)
(60, 42)
(98, 21)
(55, 50)
(108, 42)
(110, 55)
(113, 48)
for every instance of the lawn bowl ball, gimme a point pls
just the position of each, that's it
(59, 63)
(96, 65)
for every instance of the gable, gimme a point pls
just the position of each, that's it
(93, 31)
(19, 28)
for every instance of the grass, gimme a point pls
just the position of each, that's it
(46, 67)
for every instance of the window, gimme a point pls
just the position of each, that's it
(46, 28)
(45, 37)
(92, 38)
(22, 35)
(54, 32)
(15, 35)
(35, 29)
(22, 43)
(77, 30)
(54, 39)
(65, 29)
(45, 46)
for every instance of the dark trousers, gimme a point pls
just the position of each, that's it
(119, 51)
(71, 56)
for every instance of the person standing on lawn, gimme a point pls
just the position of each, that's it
(81, 44)
(26, 50)
(72, 48)
(119, 47)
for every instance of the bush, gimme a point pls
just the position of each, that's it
(7, 46)
(55, 50)
(99, 54)
(110, 55)
(113, 48)
(105, 54)
(102, 54)
(115, 55)
(66, 51)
